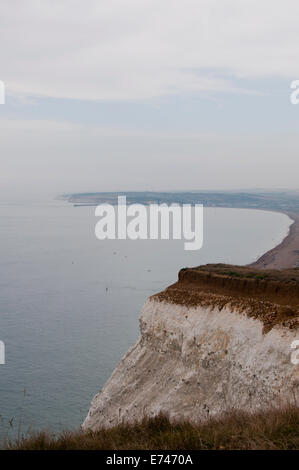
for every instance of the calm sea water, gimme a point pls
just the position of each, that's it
(63, 330)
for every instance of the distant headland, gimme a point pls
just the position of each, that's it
(284, 255)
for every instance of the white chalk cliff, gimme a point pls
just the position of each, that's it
(210, 343)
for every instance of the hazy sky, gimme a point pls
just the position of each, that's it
(148, 94)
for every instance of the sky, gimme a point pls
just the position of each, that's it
(147, 95)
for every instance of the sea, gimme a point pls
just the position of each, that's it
(70, 303)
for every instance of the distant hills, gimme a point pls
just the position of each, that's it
(284, 201)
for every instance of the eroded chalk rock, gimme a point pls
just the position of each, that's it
(195, 359)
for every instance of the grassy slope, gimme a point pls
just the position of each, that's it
(265, 430)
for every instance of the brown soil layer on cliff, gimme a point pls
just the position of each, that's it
(270, 296)
(286, 254)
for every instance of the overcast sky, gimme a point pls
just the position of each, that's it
(147, 94)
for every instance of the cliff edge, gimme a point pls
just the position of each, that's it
(217, 340)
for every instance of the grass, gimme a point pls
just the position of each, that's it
(274, 429)
(284, 275)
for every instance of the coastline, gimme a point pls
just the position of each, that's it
(286, 253)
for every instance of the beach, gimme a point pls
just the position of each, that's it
(286, 254)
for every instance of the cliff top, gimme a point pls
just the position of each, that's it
(247, 272)
(269, 295)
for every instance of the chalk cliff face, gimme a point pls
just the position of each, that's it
(214, 341)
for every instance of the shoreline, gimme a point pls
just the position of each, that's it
(286, 253)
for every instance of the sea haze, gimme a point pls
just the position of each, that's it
(69, 303)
